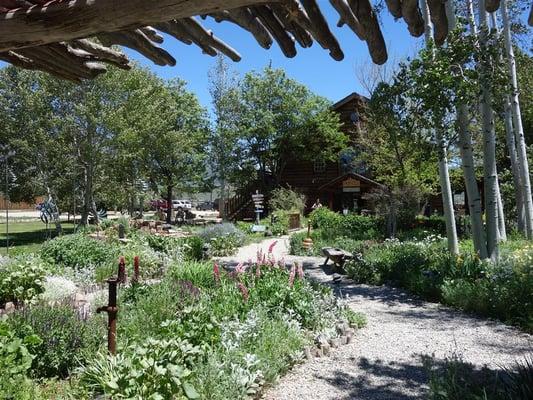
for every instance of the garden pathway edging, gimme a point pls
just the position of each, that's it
(385, 359)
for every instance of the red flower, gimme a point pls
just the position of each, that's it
(216, 273)
(244, 291)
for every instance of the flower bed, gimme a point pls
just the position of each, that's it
(196, 332)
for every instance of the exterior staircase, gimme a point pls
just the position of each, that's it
(239, 207)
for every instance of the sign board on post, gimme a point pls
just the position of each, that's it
(258, 200)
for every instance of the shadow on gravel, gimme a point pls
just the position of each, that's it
(403, 381)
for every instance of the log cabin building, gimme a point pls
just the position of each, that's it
(339, 184)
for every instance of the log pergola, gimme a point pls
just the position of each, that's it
(74, 39)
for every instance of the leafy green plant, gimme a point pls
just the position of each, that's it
(286, 199)
(78, 251)
(66, 339)
(332, 225)
(21, 279)
(15, 362)
(157, 369)
(222, 239)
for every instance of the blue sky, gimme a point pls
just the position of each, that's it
(312, 66)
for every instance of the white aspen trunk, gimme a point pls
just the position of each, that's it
(444, 176)
(447, 197)
(472, 191)
(489, 144)
(515, 167)
(466, 150)
(502, 231)
(517, 123)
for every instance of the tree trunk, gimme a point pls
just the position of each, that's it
(489, 143)
(502, 232)
(447, 197)
(517, 123)
(515, 167)
(467, 163)
(444, 176)
(169, 204)
(472, 191)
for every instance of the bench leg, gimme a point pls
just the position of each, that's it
(326, 262)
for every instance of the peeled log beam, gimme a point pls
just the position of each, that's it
(364, 12)
(105, 54)
(244, 18)
(41, 25)
(152, 34)
(395, 8)
(176, 30)
(437, 11)
(348, 18)
(46, 56)
(413, 18)
(272, 23)
(205, 38)
(27, 63)
(299, 33)
(492, 5)
(136, 40)
(321, 27)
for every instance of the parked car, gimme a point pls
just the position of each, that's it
(205, 206)
(158, 204)
(181, 204)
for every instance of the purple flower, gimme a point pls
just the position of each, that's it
(271, 247)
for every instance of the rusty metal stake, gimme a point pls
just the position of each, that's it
(122, 270)
(111, 309)
(136, 269)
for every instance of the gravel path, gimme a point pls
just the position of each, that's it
(385, 361)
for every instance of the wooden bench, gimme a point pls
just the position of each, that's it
(338, 256)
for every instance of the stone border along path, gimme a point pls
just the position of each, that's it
(385, 359)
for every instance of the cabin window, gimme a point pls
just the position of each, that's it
(319, 165)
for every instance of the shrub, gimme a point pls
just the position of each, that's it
(78, 251)
(358, 227)
(223, 239)
(285, 199)
(279, 224)
(157, 369)
(66, 339)
(21, 279)
(458, 380)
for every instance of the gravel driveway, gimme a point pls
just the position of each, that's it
(385, 359)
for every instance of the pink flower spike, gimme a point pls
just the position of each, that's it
(291, 276)
(271, 247)
(240, 268)
(216, 273)
(244, 291)
(258, 271)
(300, 271)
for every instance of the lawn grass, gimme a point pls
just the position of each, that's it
(27, 237)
